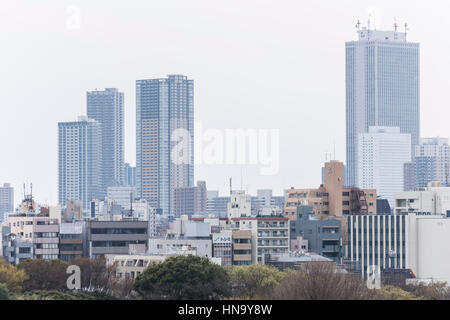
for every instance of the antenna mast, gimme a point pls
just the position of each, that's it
(406, 30)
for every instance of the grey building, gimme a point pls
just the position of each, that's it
(129, 175)
(164, 128)
(430, 162)
(190, 200)
(265, 199)
(324, 236)
(6, 200)
(382, 89)
(107, 107)
(79, 161)
(15, 249)
(115, 237)
(216, 205)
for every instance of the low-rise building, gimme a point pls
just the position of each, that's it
(71, 240)
(270, 235)
(417, 242)
(114, 237)
(324, 237)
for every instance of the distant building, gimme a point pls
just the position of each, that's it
(269, 235)
(264, 201)
(80, 161)
(433, 200)
(430, 162)
(14, 249)
(114, 237)
(129, 175)
(73, 211)
(332, 199)
(242, 247)
(190, 200)
(382, 89)
(164, 112)
(240, 205)
(107, 108)
(122, 196)
(324, 236)
(223, 246)
(72, 240)
(215, 204)
(6, 200)
(382, 154)
(415, 242)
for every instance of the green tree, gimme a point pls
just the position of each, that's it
(183, 278)
(44, 274)
(4, 292)
(12, 277)
(255, 281)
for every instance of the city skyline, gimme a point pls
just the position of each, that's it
(212, 106)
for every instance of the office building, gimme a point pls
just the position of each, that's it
(190, 200)
(80, 161)
(6, 200)
(222, 243)
(430, 162)
(382, 154)
(164, 139)
(216, 205)
(415, 242)
(323, 237)
(382, 89)
(107, 108)
(115, 237)
(122, 196)
(433, 200)
(71, 240)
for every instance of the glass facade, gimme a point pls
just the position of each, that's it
(382, 89)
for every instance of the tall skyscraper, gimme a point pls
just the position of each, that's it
(79, 161)
(6, 200)
(382, 88)
(164, 139)
(382, 153)
(107, 107)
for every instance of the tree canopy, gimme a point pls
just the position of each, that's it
(183, 278)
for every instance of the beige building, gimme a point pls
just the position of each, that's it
(242, 247)
(331, 199)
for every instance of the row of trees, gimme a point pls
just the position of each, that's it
(191, 277)
(36, 276)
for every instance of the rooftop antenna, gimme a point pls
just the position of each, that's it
(230, 187)
(395, 24)
(368, 28)
(131, 203)
(406, 30)
(358, 25)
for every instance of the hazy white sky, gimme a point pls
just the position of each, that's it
(256, 64)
